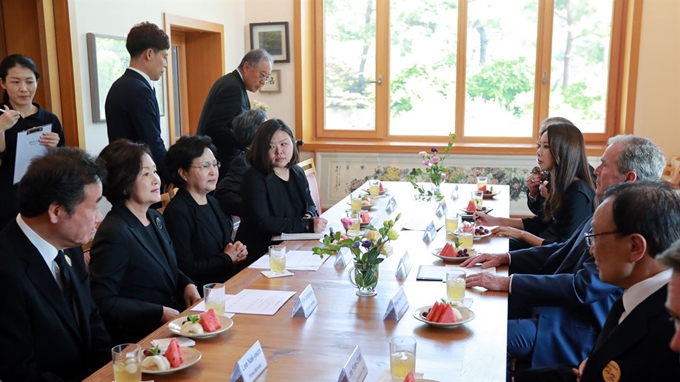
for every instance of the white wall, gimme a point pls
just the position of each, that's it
(657, 108)
(116, 17)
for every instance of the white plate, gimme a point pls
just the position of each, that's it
(176, 324)
(468, 316)
(475, 237)
(470, 213)
(447, 259)
(491, 195)
(191, 356)
(366, 207)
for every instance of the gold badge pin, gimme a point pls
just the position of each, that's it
(611, 372)
(68, 260)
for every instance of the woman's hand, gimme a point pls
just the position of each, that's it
(49, 139)
(319, 224)
(507, 232)
(544, 189)
(191, 295)
(237, 251)
(168, 314)
(8, 119)
(485, 219)
(533, 181)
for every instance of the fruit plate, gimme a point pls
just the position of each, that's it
(447, 259)
(491, 195)
(381, 193)
(476, 237)
(191, 356)
(367, 207)
(176, 324)
(483, 209)
(467, 314)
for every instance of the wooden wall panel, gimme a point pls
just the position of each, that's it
(204, 66)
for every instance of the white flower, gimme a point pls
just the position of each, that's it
(255, 104)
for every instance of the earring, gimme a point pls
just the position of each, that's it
(125, 192)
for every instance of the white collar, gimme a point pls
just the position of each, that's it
(47, 250)
(146, 76)
(637, 293)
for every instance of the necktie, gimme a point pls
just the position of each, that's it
(66, 281)
(611, 322)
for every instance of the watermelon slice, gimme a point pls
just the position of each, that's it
(448, 251)
(382, 189)
(447, 317)
(410, 377)
(483, 188)
(471, 207)
(174, 354)
(209, 321)
(435, 312)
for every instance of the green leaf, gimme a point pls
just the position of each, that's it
(193, 318)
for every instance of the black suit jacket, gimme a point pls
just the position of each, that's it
(198, 244)
(226, 100)
(263, 210)
(132, 113)
(639, 345)
(132, 278)
(41, 339)
(228, 190)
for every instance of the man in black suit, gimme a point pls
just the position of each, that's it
(131, 105)
(635, 222)
(227, 99)
(671, 258)
(50, 328)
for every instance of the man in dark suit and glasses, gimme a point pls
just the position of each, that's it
(227, 99)
(50, 328)
(131, 105)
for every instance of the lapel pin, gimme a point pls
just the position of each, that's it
(158, 223)
(611, 372)
(68, 260)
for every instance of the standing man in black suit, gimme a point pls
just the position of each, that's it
(227, 99)
(131, 105)
(50, 328)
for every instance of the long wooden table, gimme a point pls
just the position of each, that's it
(315, 349)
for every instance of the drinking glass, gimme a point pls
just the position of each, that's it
(402, 356)
(356, 202)
(356, 223)
(127, 363)
(277, 259)
(481, 183)
(451, 221)
(465, 239)
(374, 187)
(478, 197)
(455, 285)
(214, 295)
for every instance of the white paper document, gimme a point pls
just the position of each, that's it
(256, 301)
(421, 223)
(295, 261)
(28, 147)
(297, 236)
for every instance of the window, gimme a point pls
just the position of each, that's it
(489, 70)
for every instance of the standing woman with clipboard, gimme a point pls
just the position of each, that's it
(19, 78)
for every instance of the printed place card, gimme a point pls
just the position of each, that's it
(430, 233)
(391, 205)
(306, 301)
(355, 369)
(342, 258)
(251, 365)
(398, 305)
(442, 208)
(404, 267)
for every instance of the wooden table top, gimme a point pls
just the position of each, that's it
(316, 348)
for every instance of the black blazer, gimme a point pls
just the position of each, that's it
(42, 341)
(639, 345)
(226, 100)
(228, 190)
(132, 113)
(199, 245)
(263, 216)
(132, 279)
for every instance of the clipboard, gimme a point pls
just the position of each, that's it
(28, 147)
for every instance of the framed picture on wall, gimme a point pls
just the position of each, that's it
(273, 84)
(272, 37)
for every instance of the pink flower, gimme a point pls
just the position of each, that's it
(422, 154)
(426, 163)
(435, 160)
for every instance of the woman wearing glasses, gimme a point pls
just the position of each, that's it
(201, 233)
(134, 275)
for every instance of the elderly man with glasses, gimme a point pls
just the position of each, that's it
(557, 303)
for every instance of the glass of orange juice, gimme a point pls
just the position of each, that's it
(402, 356)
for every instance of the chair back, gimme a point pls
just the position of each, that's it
(165, 199)
(310, 172)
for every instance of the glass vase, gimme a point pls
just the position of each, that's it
(365, 278)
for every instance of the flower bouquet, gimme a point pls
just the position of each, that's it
(435, 172)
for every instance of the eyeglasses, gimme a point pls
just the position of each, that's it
(264, 76)
(590, 236)
(206, 165)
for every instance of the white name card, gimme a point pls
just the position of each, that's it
(306, 301)
(442, 209)
(391, 205)
(404, 267)
(251, 365)
(342, 258)
(430, 233)
(398, 305)
(355, 369)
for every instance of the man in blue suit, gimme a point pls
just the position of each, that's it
(131, 105)
(557, 303)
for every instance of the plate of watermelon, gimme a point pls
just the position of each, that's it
(175, 358)
(450, 254)
(443, 315)
(205, 325)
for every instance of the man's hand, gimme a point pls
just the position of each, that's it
(487, 260)
(191, 295)
(489, 281)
